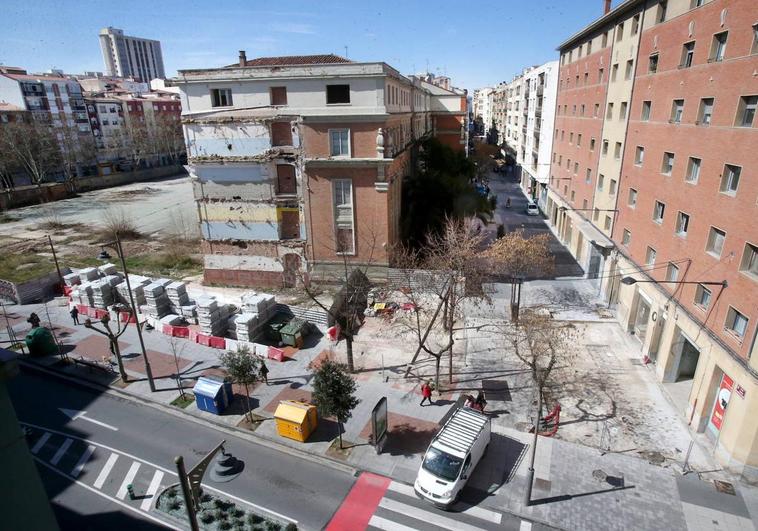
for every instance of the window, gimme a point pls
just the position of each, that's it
(563, 132)
(639, 156)
(617, 151)
(592, 144)
(645, 115)
(339, 142)
(586, 78)
(607, 224)
(682, 224)
(576, 168)
(660, 15)
(693, 170)
(597, 110)
(632, 200)
(730, 179)
(605, 39)
(584, 204)
(677, 110)
(619, 32)
(702, 296)
(343, 216)
(650, 256)
(736, 323)
(754, 48)
(629, 69)
(718, 46)
(286, 182)
(614, 71)
(622, 111)
(612, 187)
(579, 140)
(652, 65)
(658, 211)
(716, 239)
(221, 97)
(581, 110)
(278, 95)
(672, 272)
(609, 111)
(688, 53)
(626, 238)
(746, 111)
(601, 75)
(600, 181)
(589, 47)
(705, 112)
(749, 263)
(605, 147)
(337, 94)
(568, 163)
(668, 163)
(573, 195)
(596, 214)
(588, 177)
(696, 3)
(571, 138)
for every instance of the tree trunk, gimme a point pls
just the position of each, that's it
(119, 361)
(349, 345)
(530, 471)
(339, 432)
(249, 413)
(437, 360)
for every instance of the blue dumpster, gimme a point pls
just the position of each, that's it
(212, 395)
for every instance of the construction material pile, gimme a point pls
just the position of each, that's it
(177, 294)
(257, 308)
(138, 283)
(211, 317)
(72, 279)
(156, 301)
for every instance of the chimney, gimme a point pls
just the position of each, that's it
(607, 7)
(243, 57)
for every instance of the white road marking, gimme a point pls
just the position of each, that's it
(40, 442)
(166, 470)
(100, 481)
(525, 526)
(388, 525)
(109, 498)
(426, 516)
(61, 451)
(83, 461)
(155, 483)
(74, 414)
(478, 512)
(121, 494)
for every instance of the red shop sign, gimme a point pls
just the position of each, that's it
(725, 392)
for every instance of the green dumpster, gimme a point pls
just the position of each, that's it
(292, 333)
(40, 342)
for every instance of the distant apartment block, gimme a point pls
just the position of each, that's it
(134, 57)
(298, 162)
(652, 176)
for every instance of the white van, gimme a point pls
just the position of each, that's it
(452, 456)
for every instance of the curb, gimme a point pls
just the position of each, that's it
(232, 430)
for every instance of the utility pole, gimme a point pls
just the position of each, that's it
(148, 370)
(530, 471)
(189, 501)
(55, 259)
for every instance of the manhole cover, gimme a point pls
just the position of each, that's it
(599, 475)
(653, 457)
(724, 487)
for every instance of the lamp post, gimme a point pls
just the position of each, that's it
(55, 259)
(105, 256)
(629, 281)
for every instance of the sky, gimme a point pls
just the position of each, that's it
(475, 43)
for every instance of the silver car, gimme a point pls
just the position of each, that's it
(531, 209)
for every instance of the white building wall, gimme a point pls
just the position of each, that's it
(10, 92)
(539, 169)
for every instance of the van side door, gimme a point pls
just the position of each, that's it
(465, 467)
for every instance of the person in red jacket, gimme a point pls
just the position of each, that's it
(426, 392)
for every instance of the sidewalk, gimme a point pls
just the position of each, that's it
(576, 487)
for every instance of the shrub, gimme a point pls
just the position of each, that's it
(205, 498)
(237, 512)
(173, 505)
(118, 223)
(254, 519)
(171, 494)
(273, 526)
(225, 524)
(207, 517)
(290, 527)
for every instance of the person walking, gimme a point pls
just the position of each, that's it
(33, 320)
(75, 315)
(264, 372)
(426, 392)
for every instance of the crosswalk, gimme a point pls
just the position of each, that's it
(102, 469)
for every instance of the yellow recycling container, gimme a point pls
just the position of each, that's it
(295, 420)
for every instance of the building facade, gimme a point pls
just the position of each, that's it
(652, 189)
(134, 57)
(297, 162)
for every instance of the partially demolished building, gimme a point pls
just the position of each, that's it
(297, 164)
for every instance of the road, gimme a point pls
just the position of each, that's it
(143, 446)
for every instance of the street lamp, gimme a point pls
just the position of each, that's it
(105, 256)
(629, 281)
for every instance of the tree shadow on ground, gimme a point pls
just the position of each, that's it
(407, 440)
(238, 405)
(567, 497)
(497, 468)
(327, 430)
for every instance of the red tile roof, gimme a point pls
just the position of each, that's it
(292, 60)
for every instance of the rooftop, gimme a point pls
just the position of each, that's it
(289, 60)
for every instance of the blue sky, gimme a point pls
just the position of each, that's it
(475, 43)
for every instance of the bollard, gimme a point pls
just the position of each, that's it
(130, 490)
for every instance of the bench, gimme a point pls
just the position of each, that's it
(94, 365)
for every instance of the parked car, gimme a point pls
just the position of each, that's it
(452, 456)
(531, 209)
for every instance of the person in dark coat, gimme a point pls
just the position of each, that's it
(34, 320)
(264, 372)
(75, 315)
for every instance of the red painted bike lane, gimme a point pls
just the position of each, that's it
(361, 502)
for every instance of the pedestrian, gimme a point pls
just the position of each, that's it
(480, 402)
(33, 320)
(426, 392)
(264, 371)
(508, 203)
(75, 315)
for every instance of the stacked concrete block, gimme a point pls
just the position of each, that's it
(177, 294)
(171, 319)
(261, 304)
(107, 269)
(211, 318)
(247, 325)
(72, 279)
(83, 294)
(156, 300)
(138, 283)
(102, 293)
(88, 274)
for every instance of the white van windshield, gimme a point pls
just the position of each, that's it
(441, 464)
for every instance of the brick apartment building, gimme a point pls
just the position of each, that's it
(653, 177)
(297, 162)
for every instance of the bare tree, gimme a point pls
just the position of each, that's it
(112, 338)
(77, 149)
(177, 346)
(32, 147)
(545, 347)
(168, 136)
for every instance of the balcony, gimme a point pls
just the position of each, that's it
(540, 90)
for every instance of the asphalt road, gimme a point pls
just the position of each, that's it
(86, 477)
